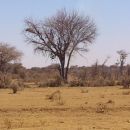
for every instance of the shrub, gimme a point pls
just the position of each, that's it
(110, 102)
(126, 83)
(95, 83)
(76, 83)
(54, 96)
(101, 108)
(8, 123)
(109, 83)
(53, 83)
(14, 87)
(100, 82)
(84, 91)
(56, 82)
(118, 82)
(21, 85)
(126, 93)
(5, 80)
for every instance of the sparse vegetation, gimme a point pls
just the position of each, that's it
(60, 96)
(101, 108)
(76, 83)
(14, 87)
(110, 102)
(126, 92)
(56, 97)
(56, 82)
(33, 109)
(126, 83)
(5, 80)
(84, 91)
(7, 123)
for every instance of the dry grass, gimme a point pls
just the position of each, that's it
(126, 92)
(84, 90)
(56, 97)
(101, 108)
(32, 110)
(7, 123)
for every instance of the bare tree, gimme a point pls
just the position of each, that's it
(8, 54)
(104, 73)
(61, 36)
(95, 70)
(122, 59)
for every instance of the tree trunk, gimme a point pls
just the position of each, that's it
(67, 67)
(62, 68)
(121, 67)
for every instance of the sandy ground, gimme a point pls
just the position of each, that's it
(71, 109)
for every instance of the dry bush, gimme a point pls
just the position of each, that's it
(97, 82)
(84, 91)
(56, 82)
(110, 102)
(56, 96)
(101, 108)
(94, 83)
(17, 86)
(79, 128)
(7, 123)
(125, 83)
(42, 122)
(126, 92)
(102, 96)
(21, 85)
(100, 82)
(14, 87)
(20, 124)
(109, 83)
(5, 80)
(76, 83)
(61, 102)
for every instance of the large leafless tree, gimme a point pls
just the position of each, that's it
(8, 54)
(61, 36)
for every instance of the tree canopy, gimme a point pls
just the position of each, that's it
(61, 36)
(8, 54)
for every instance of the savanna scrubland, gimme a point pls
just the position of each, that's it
(61, 96)
(80, 108)
(95, 97)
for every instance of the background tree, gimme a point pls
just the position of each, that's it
(8, 54)
(95, 70)
(61, 36)
(122, 59)
(104, 73)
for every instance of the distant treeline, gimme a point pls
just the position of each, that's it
(95, 75)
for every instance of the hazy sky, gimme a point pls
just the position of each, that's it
(112, 18)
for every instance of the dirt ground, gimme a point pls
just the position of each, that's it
(102, 108)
